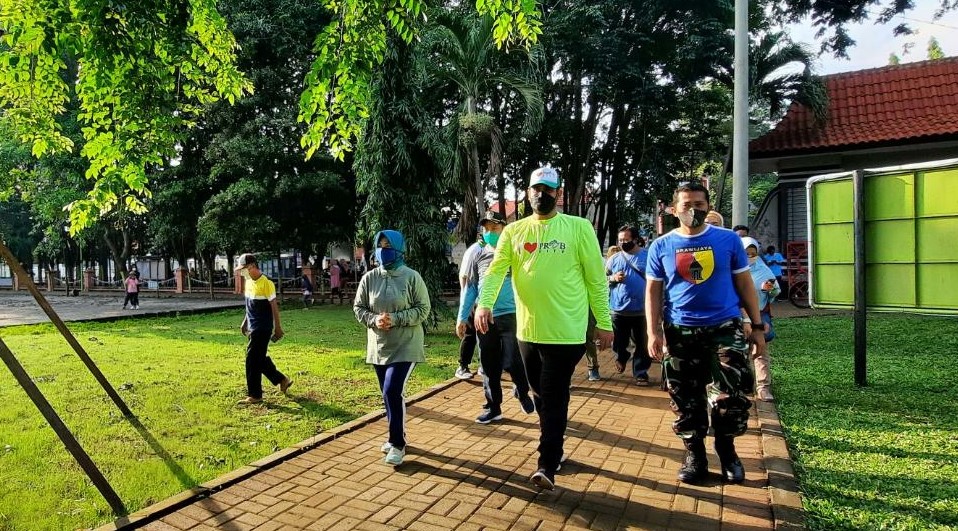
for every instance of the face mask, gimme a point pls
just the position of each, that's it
(386, 256)
(628, 246)
(693, 218)
(752, 259)
(245, 274)
(492, 238)
(543, 203)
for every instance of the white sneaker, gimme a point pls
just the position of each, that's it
(481, 372)
(386, 447)
(463, 373)
(394, 456)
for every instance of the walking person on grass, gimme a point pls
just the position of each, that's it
(261, 325)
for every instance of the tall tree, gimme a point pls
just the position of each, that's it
(459, 49)
(400, 167)
(242, 181)
(149, 66)
(145, 69)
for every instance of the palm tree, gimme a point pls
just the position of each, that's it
(774, 82)
(458, 50)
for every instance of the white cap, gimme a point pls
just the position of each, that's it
(546, 176)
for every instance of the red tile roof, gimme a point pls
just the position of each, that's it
(880, 106)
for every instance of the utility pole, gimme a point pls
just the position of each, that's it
(740, 118)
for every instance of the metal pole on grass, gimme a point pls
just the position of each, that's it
(72, 445)
(62, 327)
(861, 336)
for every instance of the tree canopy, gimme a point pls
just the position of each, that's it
(146, 69)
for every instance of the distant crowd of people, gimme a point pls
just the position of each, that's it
(537, 295)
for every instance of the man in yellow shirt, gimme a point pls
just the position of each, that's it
(558, 274)
(261, 324)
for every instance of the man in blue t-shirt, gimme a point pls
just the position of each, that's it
(704, 271)
(774, 260)
(626, 271)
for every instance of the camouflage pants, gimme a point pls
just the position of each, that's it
(708, 365)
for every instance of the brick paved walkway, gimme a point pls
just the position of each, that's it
(460, 475)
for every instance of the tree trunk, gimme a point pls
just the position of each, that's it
(119, 251)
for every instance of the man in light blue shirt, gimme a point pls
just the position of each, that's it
(774, 260)
(626, 270)
(498, 347)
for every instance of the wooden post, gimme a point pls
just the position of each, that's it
(861, 302)
(62, 327)
(69, 441)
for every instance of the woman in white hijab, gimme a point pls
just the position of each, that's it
(767, 287)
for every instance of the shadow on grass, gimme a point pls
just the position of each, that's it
(312, 408)
(186, 480)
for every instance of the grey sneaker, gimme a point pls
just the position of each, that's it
(395, 456)
(463, 373)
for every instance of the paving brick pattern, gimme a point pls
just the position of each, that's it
(623, 458)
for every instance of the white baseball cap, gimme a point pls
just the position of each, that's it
(546, 176)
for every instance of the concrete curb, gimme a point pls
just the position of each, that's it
(159, 510)
(786, 500)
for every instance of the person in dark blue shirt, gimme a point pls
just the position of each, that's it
(626, 270)
(704, 272)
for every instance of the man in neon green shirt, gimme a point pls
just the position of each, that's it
(558, 274)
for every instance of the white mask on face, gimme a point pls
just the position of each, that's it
(752, 259)
(245, 274)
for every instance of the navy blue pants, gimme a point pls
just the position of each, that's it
(498, 351)
(259, 364)
(631, 327)
(392, 383)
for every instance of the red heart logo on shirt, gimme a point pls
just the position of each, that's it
(531, 247)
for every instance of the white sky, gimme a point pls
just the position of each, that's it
(874, 43)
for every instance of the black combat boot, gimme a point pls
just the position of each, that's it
(696, 465)
(732, 469)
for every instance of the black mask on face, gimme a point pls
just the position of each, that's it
(693, 218)
(628, 246)
(543, 203)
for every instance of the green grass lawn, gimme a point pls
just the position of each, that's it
(182, 378)
(880, 457)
